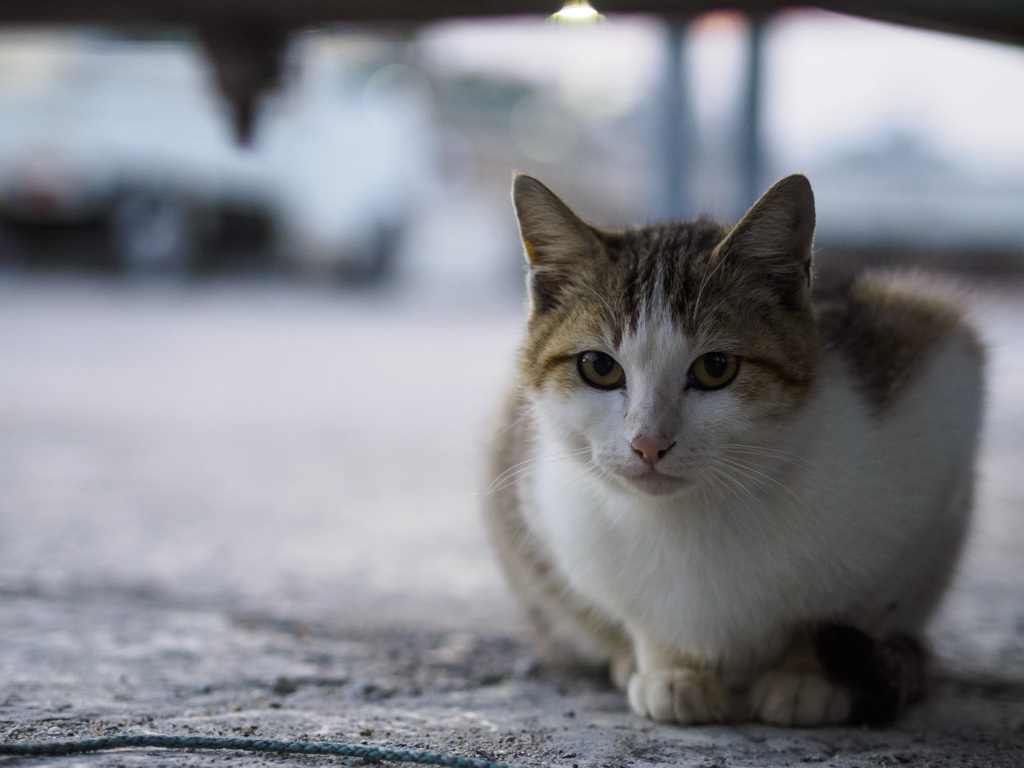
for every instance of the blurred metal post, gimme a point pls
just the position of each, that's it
(751, 149)
(248, 61)
(676, 139)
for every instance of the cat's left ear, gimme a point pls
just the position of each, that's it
(558, 244)
(776, 234)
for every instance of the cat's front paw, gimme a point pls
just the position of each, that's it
(621, 669)
(679, 696)
(798, 698)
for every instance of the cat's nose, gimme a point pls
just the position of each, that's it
(651, 449)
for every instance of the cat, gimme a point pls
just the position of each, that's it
(745, 496)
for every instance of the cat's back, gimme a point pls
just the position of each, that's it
(902, 336)
(899, 449)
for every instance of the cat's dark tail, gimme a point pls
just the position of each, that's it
(884, 676)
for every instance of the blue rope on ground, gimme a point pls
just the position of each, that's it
(52, 748)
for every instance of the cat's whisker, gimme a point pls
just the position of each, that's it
(578, 472)
(760, 514)
(703, 488)
(525, 414)
(748, 497)
(761, 478)
(764, 450)
(593, 469)
(523, 468)
(512, 474)
(576, 478)
(809, 525)
(757, 515)
(708, 274)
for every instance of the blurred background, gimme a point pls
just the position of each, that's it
(255, 368)
(387, 156)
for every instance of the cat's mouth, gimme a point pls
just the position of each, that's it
(657, 483)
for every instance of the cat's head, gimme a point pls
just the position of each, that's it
(660, 354)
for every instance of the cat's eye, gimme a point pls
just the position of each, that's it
(600, 370)
(714, 370)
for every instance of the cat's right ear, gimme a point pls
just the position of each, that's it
(555, 240)
(775, 237)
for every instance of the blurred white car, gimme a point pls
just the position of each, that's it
(133, 134)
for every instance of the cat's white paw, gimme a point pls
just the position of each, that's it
(679, 696)
(622, 669)
(798, 698)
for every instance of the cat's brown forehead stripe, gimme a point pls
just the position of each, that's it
(675, 268)
(662, 266)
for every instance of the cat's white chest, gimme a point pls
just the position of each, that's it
(726, 578)
(668, 569)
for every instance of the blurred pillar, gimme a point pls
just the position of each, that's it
(676, 141)
(751, 147)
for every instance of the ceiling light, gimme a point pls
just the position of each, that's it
(575, 12)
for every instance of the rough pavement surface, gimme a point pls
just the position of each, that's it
(250, 510)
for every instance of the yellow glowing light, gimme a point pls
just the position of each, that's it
(575, 12)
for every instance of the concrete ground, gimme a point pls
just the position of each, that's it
(251, 509)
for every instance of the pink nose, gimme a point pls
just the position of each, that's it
(651, 449)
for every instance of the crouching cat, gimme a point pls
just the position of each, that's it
(745, 497)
